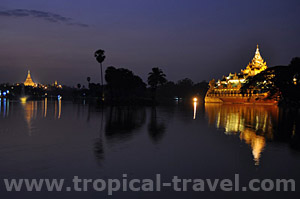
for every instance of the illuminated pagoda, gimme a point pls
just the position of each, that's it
(228, 89)
(256, 66)
(29, 81)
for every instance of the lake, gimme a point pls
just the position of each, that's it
(60, 140)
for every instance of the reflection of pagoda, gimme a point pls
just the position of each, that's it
(30, 113)
(28, 81)
(253, 125)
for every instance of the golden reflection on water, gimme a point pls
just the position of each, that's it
(57, 113)
(45, 107)
(34, 108)
(59, 109)
(195, 110)
(254, 124)
(30, 109)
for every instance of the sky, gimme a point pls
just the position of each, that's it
(196, 39)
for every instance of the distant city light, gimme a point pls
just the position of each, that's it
(195, 99)
(59, 97)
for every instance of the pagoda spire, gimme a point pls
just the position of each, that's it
(28, 81)
(256, 65)
(257, 55)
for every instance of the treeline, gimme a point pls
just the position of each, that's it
(184, 89)
(122, 85)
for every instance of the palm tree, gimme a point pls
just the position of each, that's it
(155, 78)
(89, 80)
(99, 54)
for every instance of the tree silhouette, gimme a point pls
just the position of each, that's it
(78, 86)
(89, 80)
(100, 57)
(156, 128)
(155, 78)
(185, 88)
(123, 84)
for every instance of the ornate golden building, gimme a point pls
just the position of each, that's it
(256, 66)
(29, 81)
(228, 89)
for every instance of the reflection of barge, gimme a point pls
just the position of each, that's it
(228, 89)
(253, 124)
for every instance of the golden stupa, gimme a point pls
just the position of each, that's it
(256, 66)
(28, 81)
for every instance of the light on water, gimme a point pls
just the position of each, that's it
(23, 99)
(80, 139)
(195, 109)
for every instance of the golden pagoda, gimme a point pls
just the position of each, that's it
(228, 89)
(256, 66)
(28, 81)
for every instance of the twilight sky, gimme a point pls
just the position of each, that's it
(199, 39)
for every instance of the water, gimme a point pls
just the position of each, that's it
(58, 139)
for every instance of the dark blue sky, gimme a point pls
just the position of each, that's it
(197, 39)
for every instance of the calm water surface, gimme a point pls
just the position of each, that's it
(57, 139)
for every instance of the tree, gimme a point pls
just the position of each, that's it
(78, 86)
(185, 88)
(156, 128)
(89, 80)
(123, 84)
(156, 78)
(100, 57)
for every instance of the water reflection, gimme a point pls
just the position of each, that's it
(254, 124)
(4, 107)
(45, 107)
(121, 122)
(30, 110)
(99, 150)
(156, 127)
(256, 142)
(59, 108)
(195, 110)
(36, 109)
(257, 126)
(288, 129)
